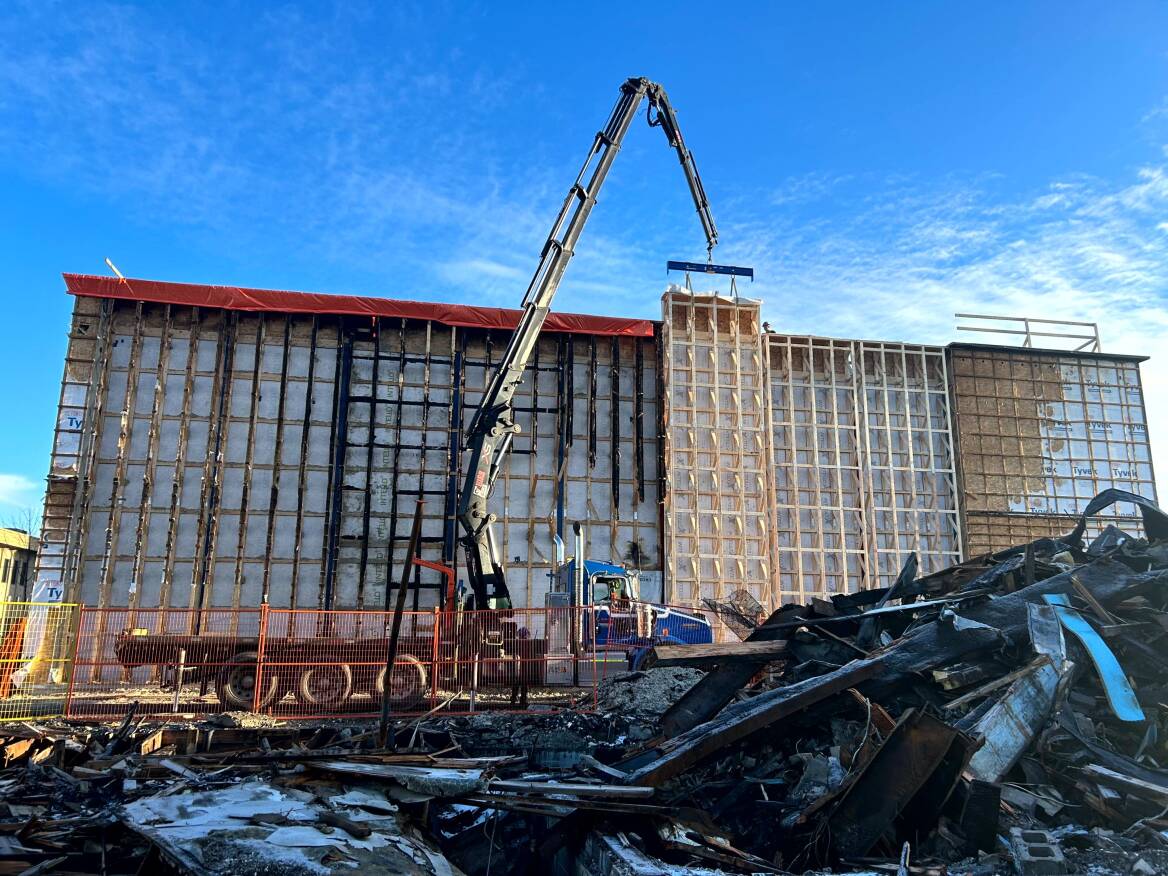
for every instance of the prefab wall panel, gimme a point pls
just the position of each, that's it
(206, 426)
(863, 463)
(72, 441)
(583, 455)
(1040, 433)
(718, 450)
(231, 458)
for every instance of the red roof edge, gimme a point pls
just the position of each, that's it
(278, 301)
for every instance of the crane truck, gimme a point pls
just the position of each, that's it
(619, 621)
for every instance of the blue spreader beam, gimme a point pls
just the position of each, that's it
(703, 268)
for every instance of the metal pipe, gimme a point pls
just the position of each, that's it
(575, 601)
(180, 668)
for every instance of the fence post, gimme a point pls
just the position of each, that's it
(76, 647)
(434, 661)
(259, 667)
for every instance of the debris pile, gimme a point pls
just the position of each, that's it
(1003, 715)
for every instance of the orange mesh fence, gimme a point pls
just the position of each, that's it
(302, 663)
(168, 660)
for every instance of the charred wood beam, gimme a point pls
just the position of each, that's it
(706, 698)
(1002, 619)
(755, 654)
(742, 719)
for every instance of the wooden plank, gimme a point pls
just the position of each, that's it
(14, 751)
(1112, 779)
(718, 652)
(706, 698)
(153, 742)
(571, 789)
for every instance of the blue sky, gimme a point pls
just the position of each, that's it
(881, 165)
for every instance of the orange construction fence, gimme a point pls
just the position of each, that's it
(303, 663)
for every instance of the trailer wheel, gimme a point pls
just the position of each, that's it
(235, 685)
(327, 687)
(407, 685)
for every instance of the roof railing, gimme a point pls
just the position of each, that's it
(1024, 327)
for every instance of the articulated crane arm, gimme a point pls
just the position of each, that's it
(493, 427)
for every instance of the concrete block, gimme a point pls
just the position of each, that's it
(1036, 853)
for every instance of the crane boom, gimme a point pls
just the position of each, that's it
(493, 426)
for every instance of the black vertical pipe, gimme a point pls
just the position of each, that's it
(563, 407)
(639, 418)
(614, 420)
(592, 402)
(395, 630)
(337, 474)
(453, 468)
(226, 363)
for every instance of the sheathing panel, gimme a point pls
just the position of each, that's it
(1040, 433)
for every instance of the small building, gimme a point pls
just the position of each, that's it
(18, 551)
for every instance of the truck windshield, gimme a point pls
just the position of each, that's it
(604, 588)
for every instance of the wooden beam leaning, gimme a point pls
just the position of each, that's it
(740, 720)
(706, 698)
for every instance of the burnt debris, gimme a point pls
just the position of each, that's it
(1003, 715)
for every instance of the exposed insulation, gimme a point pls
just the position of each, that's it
(228, 459)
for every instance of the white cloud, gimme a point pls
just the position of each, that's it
(18, 491)
(909, 257)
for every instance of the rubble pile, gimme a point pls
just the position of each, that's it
(1003, 715)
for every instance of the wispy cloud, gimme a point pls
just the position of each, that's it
(18, 491)
(404, 168)
(911, 254)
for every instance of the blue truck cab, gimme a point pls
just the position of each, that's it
(625, 622)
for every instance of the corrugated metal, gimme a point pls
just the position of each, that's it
(280, 302)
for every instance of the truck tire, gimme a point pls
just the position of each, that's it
(407, 685)
(325, 687)
(236, 682)
(645, 658)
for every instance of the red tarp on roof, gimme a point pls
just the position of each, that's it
(275, 301)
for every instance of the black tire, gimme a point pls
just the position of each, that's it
(325, 687)
(407, 686)
(647, 659)
(235, 684)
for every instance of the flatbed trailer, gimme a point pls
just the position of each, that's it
(325, 672)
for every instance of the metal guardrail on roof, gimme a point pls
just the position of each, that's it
(1028, 328)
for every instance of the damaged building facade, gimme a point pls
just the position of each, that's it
(225, 447)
